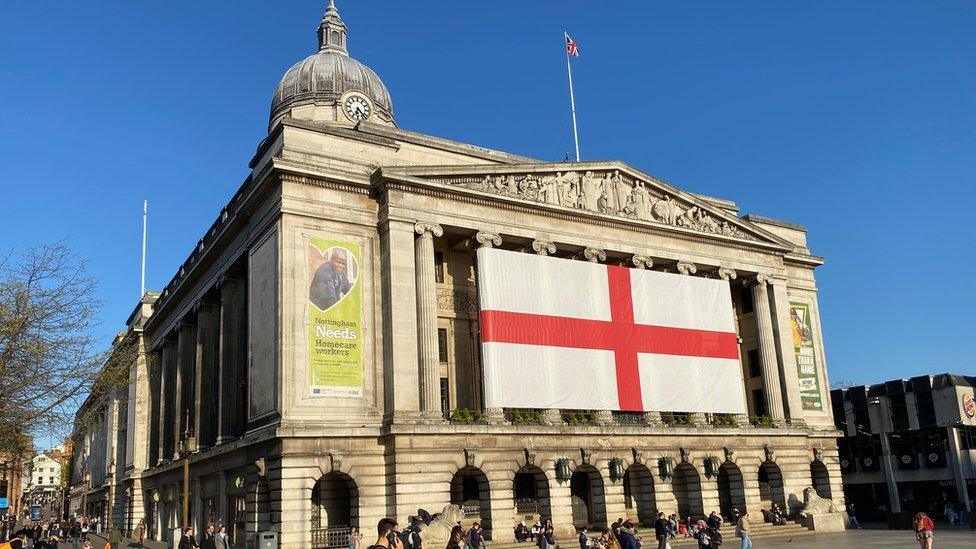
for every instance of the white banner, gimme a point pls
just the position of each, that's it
(575, 335)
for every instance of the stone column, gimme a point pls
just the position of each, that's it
(729, 275)
(698, 419)
(187, 351)
(888, 471)
(957, 472)
(767, 348)
(543, 247)
(646, 262)
(430, 383)
(495, 415)
(784, 346)
(231, 363)
(167, 401)
(150, 456)
(399, 295)
(206, 383)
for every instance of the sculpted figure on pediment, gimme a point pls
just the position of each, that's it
(591, 192)
(529, 187)
(621, 190)
(642, 202)
(549, 188)
(666, 211)
(569, 194)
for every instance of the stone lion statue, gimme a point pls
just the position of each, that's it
(438, 532)
(813, 504)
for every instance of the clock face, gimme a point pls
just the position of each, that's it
(357, 108)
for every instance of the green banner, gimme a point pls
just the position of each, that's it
(335, 314)
(806, 357)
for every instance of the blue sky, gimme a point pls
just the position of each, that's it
(855, 119)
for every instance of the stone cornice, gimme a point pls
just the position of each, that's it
(393, 179)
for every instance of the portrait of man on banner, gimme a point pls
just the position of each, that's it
(332, 275)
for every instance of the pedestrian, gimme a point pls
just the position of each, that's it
(456, 540)
(627, 536)
(388, 534)
(223, 540)
(474, 536)
(662, 531)
(209, 541)
(742, 531)
(140, 531)
(84, 528)
(701, 535)
(187, 541)
(114, 537)
(853, 516)
(355, 538)
(714, 521)
(924, 527)
(74, 531)
(584, 540)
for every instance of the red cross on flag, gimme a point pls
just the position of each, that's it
(575, 335)
(572, 49)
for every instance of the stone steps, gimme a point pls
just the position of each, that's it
(758, 531)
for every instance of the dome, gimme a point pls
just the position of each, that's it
(314, 87)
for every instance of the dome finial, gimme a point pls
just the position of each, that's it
(332, 31)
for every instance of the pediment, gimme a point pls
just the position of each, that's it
(609, 189)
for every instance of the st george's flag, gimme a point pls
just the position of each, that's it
(571, 49)
(575, 335)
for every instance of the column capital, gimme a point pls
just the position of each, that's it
(594, 255)
(762, 279)
(428, 230)
(487, 240)
(687, 268)
(642, 261)
(726, 273)
(543, 247)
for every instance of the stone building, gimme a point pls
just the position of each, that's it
(392, 418)
(909, 445)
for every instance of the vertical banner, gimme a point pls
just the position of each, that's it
(335, 315)
(806, 357)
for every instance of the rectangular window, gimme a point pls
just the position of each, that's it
(439, 266)
(445, 398)
(442, 344)
(745, 300)
(759, 402)
(755, 368)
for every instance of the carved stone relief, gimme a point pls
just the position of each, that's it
(604, 191)
(457, 301)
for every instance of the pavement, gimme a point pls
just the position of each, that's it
(945, 538)
(872, 536)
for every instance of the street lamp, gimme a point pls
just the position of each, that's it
(187, 445)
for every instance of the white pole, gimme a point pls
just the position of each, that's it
(572, 98)
(145, 213)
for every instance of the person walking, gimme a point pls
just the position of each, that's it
(355, 538)
(222, 540)
(141, 531)
(187, 541)
(456, 540)
(584, 540)
(474, 536)
(924, 528)
(853, 516)
(662, 531)
(209, 540)
(742, 531)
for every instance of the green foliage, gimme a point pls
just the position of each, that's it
(464, 416)
(527, 417)
(723, 420)
(676, 419)
(761, 421)
(581, 417)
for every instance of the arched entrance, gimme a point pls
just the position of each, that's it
(731, 489)
(586, 493)
(687, 491)
(531, 492)
(771, 486)
(821, 478)
(639, 493)
(335, 510)
(469, 490)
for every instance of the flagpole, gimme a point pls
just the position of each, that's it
(572, 98)
(145, 214)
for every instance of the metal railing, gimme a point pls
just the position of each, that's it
(331, 538)
(526, 506)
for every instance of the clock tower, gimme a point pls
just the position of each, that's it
(330, 86)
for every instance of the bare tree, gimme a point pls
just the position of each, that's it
(48, 353)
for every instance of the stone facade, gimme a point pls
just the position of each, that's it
(226, 373)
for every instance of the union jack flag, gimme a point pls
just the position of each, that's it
(571, 49)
